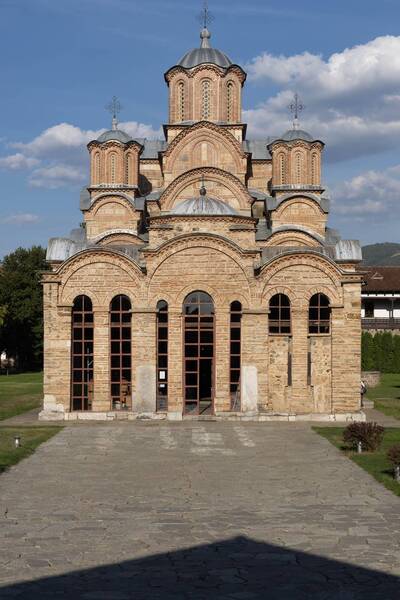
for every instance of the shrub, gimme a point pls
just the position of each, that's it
(369, 434)
(393, 455)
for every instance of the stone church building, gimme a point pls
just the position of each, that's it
(203, 280)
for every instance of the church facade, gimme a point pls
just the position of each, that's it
(204, 280)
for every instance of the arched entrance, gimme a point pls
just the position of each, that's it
(198, 368)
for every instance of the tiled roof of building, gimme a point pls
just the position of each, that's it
(381, 279)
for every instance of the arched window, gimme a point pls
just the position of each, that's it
(235, 354)
(198, 311)
(319, 314)
(279, 314)
(128, 168)
(206, 99)
(298, 162)
(97, 168)
(82, 354)
(162, 355)
(113, 167)
(181, 101)
(121, 352)
(282, 169)
(230, 88)
(314, 169)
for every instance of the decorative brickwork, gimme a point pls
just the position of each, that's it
(256, 231)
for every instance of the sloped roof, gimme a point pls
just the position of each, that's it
(381, 279)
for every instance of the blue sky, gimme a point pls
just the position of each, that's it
(62, 60)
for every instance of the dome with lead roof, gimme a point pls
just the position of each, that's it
(114, 134)
(205, 54)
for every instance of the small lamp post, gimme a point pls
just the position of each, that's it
(17, 441)
(397, 473)
(359, 447)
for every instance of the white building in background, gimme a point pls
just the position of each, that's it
(380, 299)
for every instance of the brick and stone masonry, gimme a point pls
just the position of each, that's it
(204, 210)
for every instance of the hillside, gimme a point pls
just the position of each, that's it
(381, 254)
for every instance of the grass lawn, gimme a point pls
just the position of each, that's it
(375, 463)
(19, 393)
(387, 395)
(31, 438)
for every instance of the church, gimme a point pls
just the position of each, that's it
(203, 281)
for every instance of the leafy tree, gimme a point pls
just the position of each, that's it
(387, 352)
(396, 354)
(367, 351)
(21, 294)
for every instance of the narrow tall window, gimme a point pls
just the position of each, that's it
(181, 101)
(298, 167)
(319, 314)
(121, 352)
(235, 354)
(82, 354)
(112, 167)
(314, 169)
(128, 169)
(198, 310)
(279, 314)
(282, 169)
(229, 101)
(205, 99)
(97, 168)
(162, 356)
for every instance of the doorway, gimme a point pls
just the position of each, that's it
(198, 369)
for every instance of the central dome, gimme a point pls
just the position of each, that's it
(204, 54)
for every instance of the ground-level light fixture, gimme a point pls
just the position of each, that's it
(17, 441)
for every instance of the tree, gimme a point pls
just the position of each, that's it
(367, 351)
(396, 353)
(21, 294)
(387, 352)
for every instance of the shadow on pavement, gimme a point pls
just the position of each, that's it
(236, 569)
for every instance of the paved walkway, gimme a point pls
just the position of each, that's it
(196, 510)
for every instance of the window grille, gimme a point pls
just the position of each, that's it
(121, 352)
(113, 169)
(282, 169)
(314, 169)
(235, 354)
(298, 165)
(319, 314)
(162, 356)
(82, 354)
(279, 315)
(97, 168)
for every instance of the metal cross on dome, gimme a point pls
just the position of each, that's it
(205, 17)
(114, 107)
(296, 107)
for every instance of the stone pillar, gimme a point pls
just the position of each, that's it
(253, 388)
(301, 401)
(346, 351)
(101, 361)
(175, 364)
(144, 363)
(57, 355)
(222, 401)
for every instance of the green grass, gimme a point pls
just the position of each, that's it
(31, 438)
(375, 463)
(19, 393)
(387, 395)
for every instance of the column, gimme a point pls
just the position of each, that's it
(101, 361)
(222, 401)
(253, 387)
(144, 365)
(175, 364)
(301, 401)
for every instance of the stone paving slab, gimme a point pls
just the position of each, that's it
(196, 510)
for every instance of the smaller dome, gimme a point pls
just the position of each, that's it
(297, 134)
(114, 134)
(203, 205)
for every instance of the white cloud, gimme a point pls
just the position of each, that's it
(57, 176)
(352, 98)
(372, 194)
(20, 219)
(17, 161)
